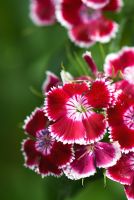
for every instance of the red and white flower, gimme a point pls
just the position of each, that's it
(88, 157)
(42, 153)
(121, 122)
(73, 108)
(122, 61)
(123, 172)
(42, 12)
(86, 21)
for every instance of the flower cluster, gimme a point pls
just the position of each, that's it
(85, 20)
(68, 134)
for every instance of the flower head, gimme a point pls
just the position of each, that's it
(88, 157)
(73, 108)
(121, 122)
(50, 81)
(86, 22)
(123, 172)
(42, 153)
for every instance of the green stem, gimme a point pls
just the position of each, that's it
(83, 69)
(102, 51)
(70, 57)
(35, 92)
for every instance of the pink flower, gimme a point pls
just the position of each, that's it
(86, 22)
(121, 122)
(122, 61)
(123, 172)
(88, 157)
(74, 108)
(42, 12)
(42, 153)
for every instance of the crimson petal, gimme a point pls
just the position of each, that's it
(68, 131)
(114, 5)
(47, 167)
(102, 29)
(120, 119)
(129, 190)
(62, 154)
(80, 35)
(95, 126)
(68, 12)
(96, 4)
(100, 94)
(83, 165)
(123, 171)
(35, 122)
(30, 154)
(107, 154)
(51, 80)
(42, 12)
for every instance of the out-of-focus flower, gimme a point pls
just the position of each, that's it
(123, 172)
(122, 61)
(86, 22)
(42, 153)
(88, 157)
(42, 12)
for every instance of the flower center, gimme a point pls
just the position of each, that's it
(88, 13)
(90, 148)
(44, 142)
(129, 118)
(78, 108)
(129, 74)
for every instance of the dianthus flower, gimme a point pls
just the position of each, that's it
(42, 153)
(86, 22)
(74, 109)
(42, 12)
(121, 122)
(123, 172)
(88, 157)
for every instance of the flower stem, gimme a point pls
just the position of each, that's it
(102, 51)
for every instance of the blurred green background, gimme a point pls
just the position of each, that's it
(26, 52)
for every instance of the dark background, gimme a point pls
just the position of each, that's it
(26, 52)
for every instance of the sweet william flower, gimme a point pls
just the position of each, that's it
(42, 12)
(72, 108)
(88, 157)
(42, 153)
(123, 172)
(121, 122)
(122, 61)
(86, 22)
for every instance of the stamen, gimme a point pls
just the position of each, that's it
(44, 142)
(77, 107)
